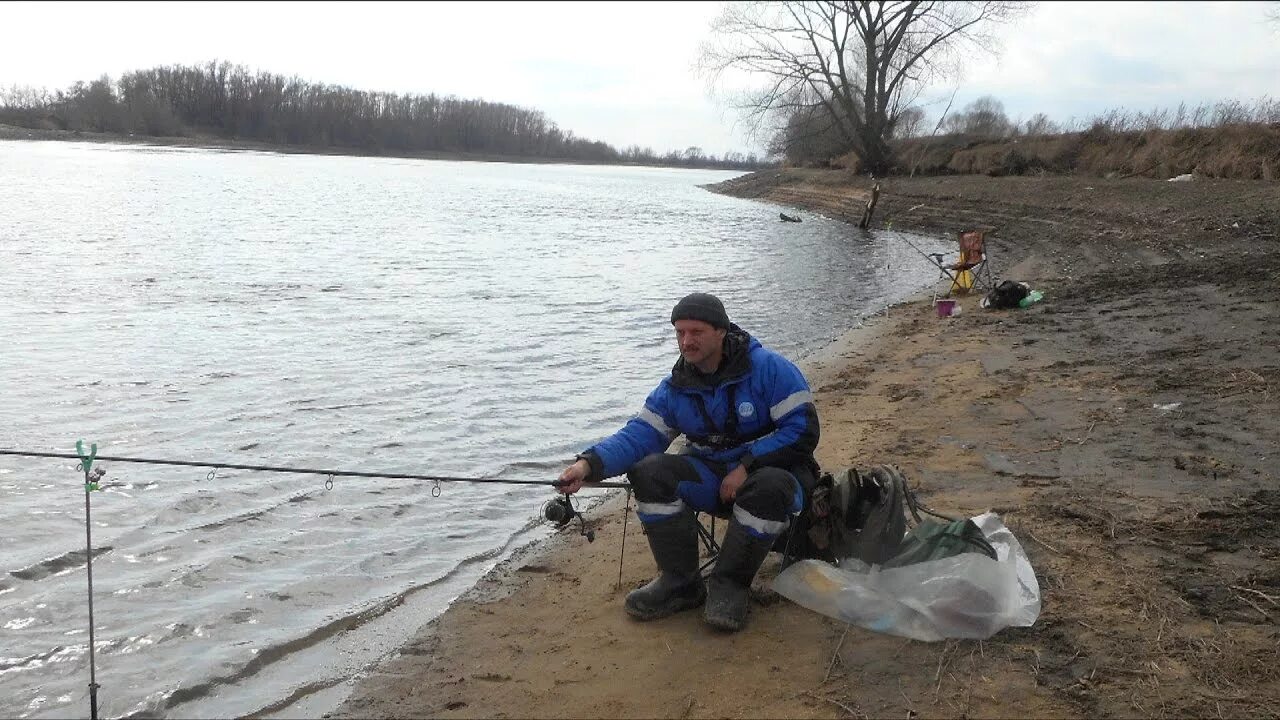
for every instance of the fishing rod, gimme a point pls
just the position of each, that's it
(559, 511)
(303, 471)
(935, 258)
(91, 478)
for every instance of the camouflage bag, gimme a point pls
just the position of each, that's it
(933, 540)
(859, 514)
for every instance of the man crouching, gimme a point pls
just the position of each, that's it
(752, 428)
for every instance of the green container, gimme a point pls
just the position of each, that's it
(1032, 298)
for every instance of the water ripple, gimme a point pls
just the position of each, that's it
(319, 312)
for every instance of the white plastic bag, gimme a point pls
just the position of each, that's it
(964, 596)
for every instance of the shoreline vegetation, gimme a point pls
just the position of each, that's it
(223, 106)
(847, 85)
(1124, 428)
(219, 104)
(1223, 140)
(1246, 152)
(12, 132)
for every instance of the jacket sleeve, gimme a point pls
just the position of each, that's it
(650, 431)
(794, 416)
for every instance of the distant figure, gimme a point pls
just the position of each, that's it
(789, 218)
(752, 428)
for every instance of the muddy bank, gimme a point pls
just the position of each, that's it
(1125, 428)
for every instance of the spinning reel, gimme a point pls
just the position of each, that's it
(560, 512)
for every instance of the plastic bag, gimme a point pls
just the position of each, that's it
(964, 596)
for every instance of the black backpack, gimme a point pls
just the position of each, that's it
(863, 514)
(1006, 295)
(859, 514)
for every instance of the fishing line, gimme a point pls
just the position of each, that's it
(330, 474)
(935, 258)
(564, 510)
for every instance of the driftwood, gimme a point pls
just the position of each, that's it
(865, 222)
(788, 218)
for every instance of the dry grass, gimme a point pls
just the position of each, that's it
(1247, 152)
(1231, 139)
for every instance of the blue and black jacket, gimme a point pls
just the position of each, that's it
(756, 410)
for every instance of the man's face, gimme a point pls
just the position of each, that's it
(699, 341)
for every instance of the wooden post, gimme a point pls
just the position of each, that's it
(871, 207)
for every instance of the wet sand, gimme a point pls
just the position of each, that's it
(1125, 428)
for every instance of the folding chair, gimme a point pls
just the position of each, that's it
(784, 545)
(971, 269)
(709, 544)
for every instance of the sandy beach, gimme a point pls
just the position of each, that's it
(1125, 428)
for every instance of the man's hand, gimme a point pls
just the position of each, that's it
(731, 484)
(574, 476)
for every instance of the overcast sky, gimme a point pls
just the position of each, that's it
(623, 72)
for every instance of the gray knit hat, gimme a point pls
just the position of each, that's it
(701, 306)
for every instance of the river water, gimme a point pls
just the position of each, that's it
(370, 314)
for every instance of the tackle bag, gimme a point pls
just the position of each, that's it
(1005, 296)
(933, 540)
(859, 514)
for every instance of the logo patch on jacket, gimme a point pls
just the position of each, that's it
(746, 409)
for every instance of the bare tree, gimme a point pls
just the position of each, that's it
(1040, 124)
(941, 119)
(910, 123)
(858, 63)
(809, 135)
(984, 116)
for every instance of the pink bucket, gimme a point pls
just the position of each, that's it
(946, 307)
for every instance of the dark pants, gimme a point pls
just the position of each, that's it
(662, 480)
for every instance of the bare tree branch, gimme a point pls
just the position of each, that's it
(861, 62)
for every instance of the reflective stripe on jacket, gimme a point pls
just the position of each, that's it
(757, 411)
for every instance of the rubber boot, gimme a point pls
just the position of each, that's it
(679, 586)
(729, 586)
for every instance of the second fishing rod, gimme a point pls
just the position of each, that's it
(559, 511)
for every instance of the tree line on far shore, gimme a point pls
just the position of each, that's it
(227, 101)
